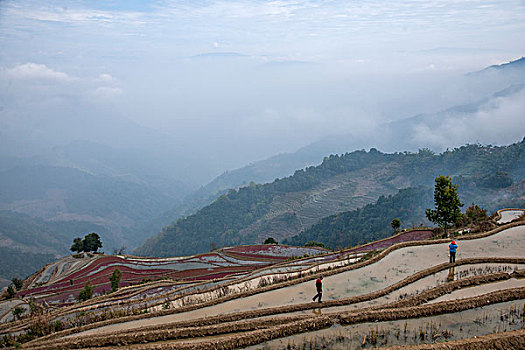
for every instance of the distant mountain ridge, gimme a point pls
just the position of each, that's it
(516, 65)
(56, 204)
(287, 206)
(391, 137)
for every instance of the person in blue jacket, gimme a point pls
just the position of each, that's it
(452, 247)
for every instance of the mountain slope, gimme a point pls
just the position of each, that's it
(498, 102)
(341, 183)
(371, 222)
(78, 200)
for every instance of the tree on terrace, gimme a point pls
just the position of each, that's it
(270, 240)
(86, 293)
(17, 312)
(446, 202)
(11, 291)
(92, 242)
(115, 280)
(396, 224)
(18, 283)
(78, 245)
(475, 214)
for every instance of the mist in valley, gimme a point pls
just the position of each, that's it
(168, 95)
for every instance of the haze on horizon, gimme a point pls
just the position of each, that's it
(233, 82)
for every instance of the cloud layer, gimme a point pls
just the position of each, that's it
(243, 80)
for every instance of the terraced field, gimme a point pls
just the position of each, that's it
(341, 193)
(406, 294)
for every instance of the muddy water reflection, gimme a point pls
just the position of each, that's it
(490, 319)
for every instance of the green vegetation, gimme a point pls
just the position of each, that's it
(35, 242)
(473, 215)
(396, 224)
(90, 243)
(366, 224)
(18, 283)
(314, 244)
(238, 216)
(18, 312)
(115, 280)
(86, 293)
(78, 245)
(446, 202)
(270, 240)
(11, 291)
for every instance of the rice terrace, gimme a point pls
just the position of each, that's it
(400, 291)
(262, 175)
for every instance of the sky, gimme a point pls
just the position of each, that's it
(241, 80)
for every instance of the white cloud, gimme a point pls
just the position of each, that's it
(498, 122)
(107, 92)
(106, 78)
(30, 71)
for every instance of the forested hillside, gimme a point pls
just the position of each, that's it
(42, 208)
(370, 223)
(341, 183)
(28, 243)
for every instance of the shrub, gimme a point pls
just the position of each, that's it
(18, 283)
(270, 240)
(17, 312)
(86, 293)
(11, 292)
(115, 280)
(314, 244)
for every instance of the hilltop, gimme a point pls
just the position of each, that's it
(491, 89)
(281, 209)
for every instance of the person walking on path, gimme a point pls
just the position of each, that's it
(319, 287)
(452, 247)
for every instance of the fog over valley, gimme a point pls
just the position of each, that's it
(122, 116)
(221, 84)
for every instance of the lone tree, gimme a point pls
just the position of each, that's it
(446, 202)
(115, 280)
(396, 224)
(92, 242)
(78, 245)
(270, 240)
(11, 291)
(18, 283)
(86, 293)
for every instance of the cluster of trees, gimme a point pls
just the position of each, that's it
(447, 210)
(87, 292)
(14, 287)
(215, 225)
(224, 222)
(369, 223)
(90, 243)
(270, 240)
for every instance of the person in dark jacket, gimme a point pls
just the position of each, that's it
(319, 287)
(452, 247)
